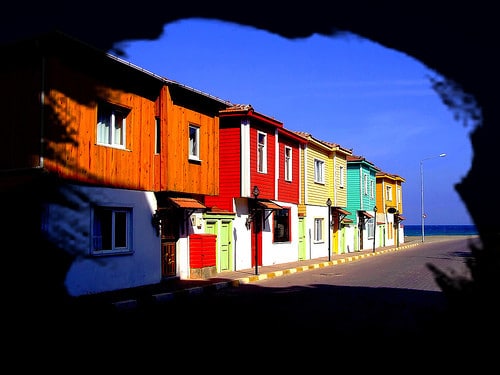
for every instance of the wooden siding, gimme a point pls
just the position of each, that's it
(70, 127)
(288, 191)
(178, 173)
(318, 193)
(340, 192)
(230, 168)
(353, 191)
(265, 181)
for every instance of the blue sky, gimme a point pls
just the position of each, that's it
(343, 89)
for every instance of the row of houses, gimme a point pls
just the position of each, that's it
(141, 178)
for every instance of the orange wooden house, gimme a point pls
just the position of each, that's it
(108, 161)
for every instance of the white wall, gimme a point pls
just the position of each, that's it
(70, 228)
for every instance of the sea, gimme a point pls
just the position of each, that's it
(440, 230)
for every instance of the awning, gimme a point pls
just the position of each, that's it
(341, 211)
(366, 214)
(268, 204)
(400, 218)
(186, 203)
(346, 221)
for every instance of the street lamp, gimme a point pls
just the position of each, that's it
(374, 226)
(255, 193)
(329, 204)
(422, 191)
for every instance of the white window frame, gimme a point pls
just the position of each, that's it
(261, 152)
(112, 125)
(319, 171)
(288, 163)
(194, 142)
(371, 228)
(341, 176)
(319, 229)
(113, 226)
(365, 183)
(388, 193)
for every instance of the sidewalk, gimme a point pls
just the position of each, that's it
(176, 288)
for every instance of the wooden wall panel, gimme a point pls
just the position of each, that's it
(265, 181)
(317, 193)
(179, 174)
(71, 126)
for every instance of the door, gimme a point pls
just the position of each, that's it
(256, 239)
(169, 237)
(302, 239)
(225, 246)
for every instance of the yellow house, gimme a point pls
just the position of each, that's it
(323, 194)
(390, 198)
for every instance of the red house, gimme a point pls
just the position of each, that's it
(259, 182)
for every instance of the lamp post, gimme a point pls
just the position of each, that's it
(329, 204)
(255, 193)
(422, 191)
(374, 226)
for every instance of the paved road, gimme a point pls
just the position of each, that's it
(390, 300)
(385, 307)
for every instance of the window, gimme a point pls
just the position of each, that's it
(111, 230)
(371, 227)
(319, 171)
(318, 229)
(288, 163)
(261, 152)
(372, 189)
(398, 198)
(341, 176)
(157, 135)
(194, 142)
(282, 225)
(388, 193)
(111, 125)
(365, 183)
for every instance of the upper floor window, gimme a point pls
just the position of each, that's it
(111, 230)
(111, 125)
(261, 152)
(288, 163)
(194, 142)
(157, 135)
(341, 176)
(282, 225)
(365, 184)
(398, 195)
(372, 189)
(319, 171)
(388, 193)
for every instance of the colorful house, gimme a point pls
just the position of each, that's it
(390, 203)
(110, 161)
(361, 201)
(323, 198)
(259, 183)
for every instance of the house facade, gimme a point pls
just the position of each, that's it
(361, 201)
(133, 179)
(259, 183)
(324, 198)
(119, 159)
(390, 201)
